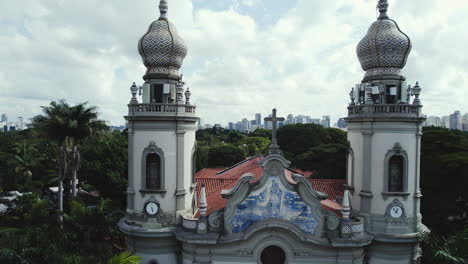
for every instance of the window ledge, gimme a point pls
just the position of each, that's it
(152, 191)
(395, 193)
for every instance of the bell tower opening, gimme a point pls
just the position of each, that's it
(273, 255)
(156, 93)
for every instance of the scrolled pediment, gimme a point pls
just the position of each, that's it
(274, 197)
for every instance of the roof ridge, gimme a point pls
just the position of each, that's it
(239, 163)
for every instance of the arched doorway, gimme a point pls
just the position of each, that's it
(273, 255)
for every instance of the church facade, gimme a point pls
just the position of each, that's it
(260, 210)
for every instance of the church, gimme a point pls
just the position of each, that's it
(261, 210)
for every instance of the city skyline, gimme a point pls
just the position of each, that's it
(245, 55)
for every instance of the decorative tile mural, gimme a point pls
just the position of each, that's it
(273, 201)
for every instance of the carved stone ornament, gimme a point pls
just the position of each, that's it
(215, 220)
(333, 222)
(301, 253)
(245, 252)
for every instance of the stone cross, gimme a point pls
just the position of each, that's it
(274, 147)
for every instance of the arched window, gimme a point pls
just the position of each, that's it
(395, 174)
(396, 171)
(153, 172)
(273, 255)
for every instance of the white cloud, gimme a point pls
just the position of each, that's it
(304, 63)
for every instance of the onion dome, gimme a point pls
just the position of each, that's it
(385, 48)
(161, 48)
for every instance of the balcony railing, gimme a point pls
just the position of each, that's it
(161, 108)
(414, 110)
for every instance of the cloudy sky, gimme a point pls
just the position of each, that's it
(245, 56)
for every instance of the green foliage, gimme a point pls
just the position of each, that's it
(444, 166)
(225, 155)
(31, 233)
(315, 148)
(104, 164)
(124, 258)
(299, 138)
(451, 250)
(326, 161)
(254, 145)
(261, 132)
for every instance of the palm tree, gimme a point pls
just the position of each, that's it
(124, 258)
(84, 122)
(55, 124)
(67, 126)
(27, 157)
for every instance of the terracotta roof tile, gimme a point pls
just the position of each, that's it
(218, 179)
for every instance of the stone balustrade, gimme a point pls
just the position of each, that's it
(356, 110)
(161, 108)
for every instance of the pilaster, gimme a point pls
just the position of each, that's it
(366, 192)
(180, 189)
(131, 164)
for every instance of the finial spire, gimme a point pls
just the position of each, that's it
(163, 9)
(203, 204)
(383, 8)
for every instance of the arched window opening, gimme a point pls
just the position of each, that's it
(395, 179)
(153, 172)
(273, 255)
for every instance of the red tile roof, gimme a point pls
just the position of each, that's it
(218, 179)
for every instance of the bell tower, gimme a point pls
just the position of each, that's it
(384, 134)
(161, 146)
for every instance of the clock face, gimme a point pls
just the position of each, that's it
(152, 208)
(396, 211)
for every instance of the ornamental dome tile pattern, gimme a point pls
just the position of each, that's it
(385, 48)
(161, 48)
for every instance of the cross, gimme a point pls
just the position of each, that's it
(274, 148)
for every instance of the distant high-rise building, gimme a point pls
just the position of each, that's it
(456, 121)
(238, 126)
(245, 125)
(4, 118)
(268, 124)
(231, 126)
(465, 122)
(201, 124)
(300, 119)
(258, 120)
(433, 121)
(315, 121)
(445, 122)
(326, 121)
(290, 119)
(20, 123)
